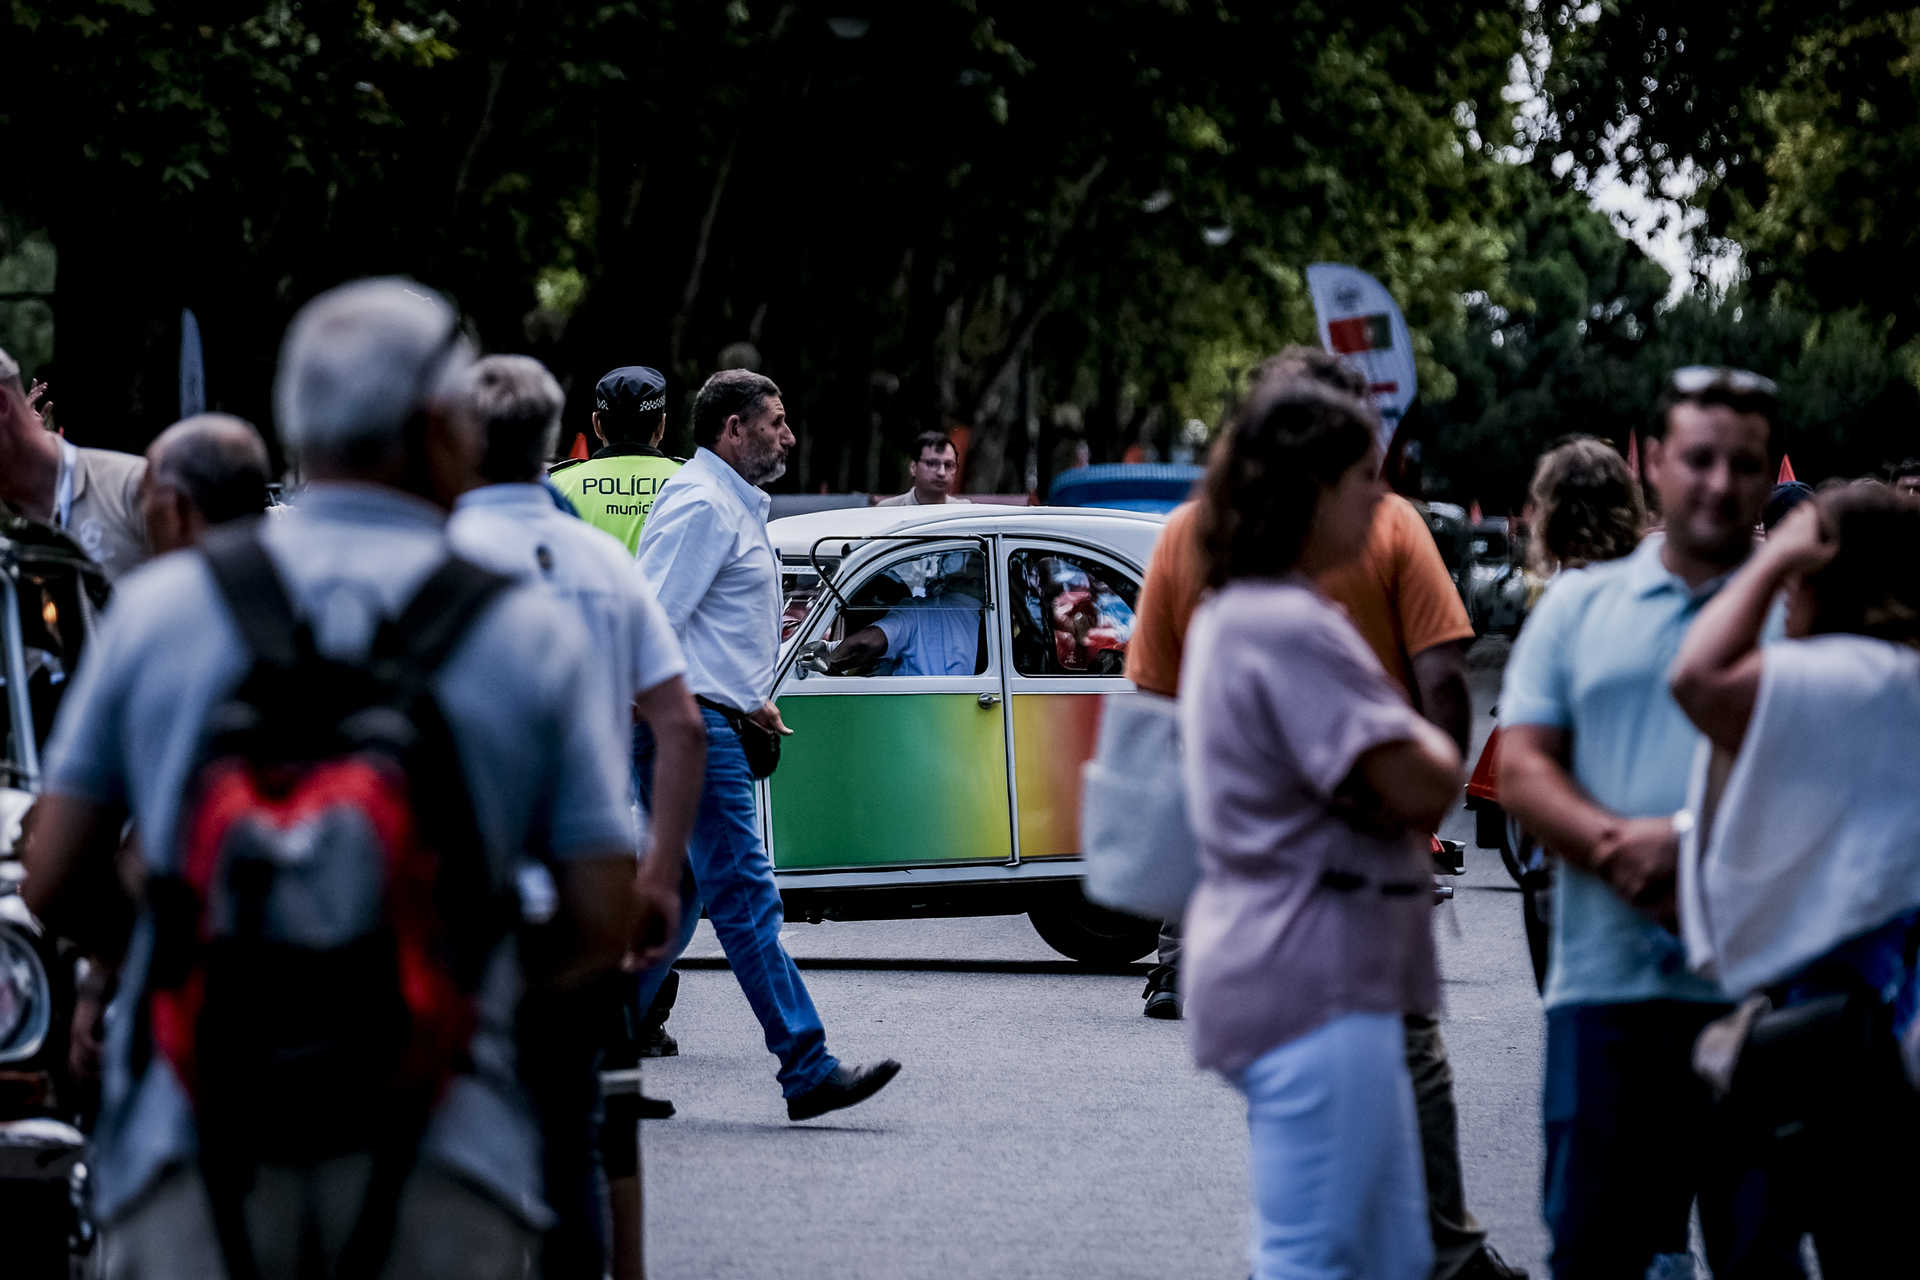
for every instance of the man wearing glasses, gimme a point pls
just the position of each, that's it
(934, 470)
(1595, 760)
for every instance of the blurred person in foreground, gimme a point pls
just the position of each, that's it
(219, 1149)
(92, 494)
(510, 524)
(1593, 761)
(1801, 879)
(202, 471)
(706, 550)
(1583, 507)
(1399, 596)
(1313, 787)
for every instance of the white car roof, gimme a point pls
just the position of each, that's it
(1132, 533)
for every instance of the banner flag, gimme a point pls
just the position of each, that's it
(1360, 321)
(193, 369)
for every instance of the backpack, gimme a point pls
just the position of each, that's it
(323, 932)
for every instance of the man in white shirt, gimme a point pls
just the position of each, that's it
(705, 547)
(934, 469)
(510, 524)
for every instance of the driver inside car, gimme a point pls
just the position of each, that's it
(934, 631)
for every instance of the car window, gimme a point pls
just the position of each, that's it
(1072, 615)
(923, 615)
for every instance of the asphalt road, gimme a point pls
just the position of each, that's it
(1041, 1127)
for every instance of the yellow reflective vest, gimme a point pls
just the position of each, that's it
(615, 488)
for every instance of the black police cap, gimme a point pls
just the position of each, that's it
(631, 392)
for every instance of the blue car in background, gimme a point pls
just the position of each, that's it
(1126, 486)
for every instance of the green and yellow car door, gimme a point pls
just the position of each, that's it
(900, 760)
(1068, 618)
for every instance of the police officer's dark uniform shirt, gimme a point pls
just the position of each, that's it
(615, 488)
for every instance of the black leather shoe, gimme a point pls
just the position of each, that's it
(846, 1086)
(1162, 993)
(657, 1042)
(1489, 1265)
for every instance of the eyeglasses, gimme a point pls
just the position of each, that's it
(1698, 379)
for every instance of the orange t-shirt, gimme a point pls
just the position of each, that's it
(1398, 594)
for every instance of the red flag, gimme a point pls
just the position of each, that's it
(579, 450)
(1786, 471)
(1633, 453)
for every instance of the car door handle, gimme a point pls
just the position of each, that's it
(989, 700)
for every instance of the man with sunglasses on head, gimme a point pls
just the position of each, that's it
(1595, 760)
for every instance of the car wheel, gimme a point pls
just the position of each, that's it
(1080, 930)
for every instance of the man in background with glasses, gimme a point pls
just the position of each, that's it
(1595, 760)
(934, 469)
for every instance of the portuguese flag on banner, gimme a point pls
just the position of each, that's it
(1354, 334)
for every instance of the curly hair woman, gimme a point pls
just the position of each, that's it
(1583, 506)
(1311, 783)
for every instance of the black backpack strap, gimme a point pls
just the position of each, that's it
(255, 595)
(431, 625)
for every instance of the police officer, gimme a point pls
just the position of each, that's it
(615, 488)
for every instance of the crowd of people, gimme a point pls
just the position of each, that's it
(1709, 729)
(345, 809)
(350, 813)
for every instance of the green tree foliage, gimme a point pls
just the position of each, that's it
(1797, 128)
(960, 211)
(1581, 339)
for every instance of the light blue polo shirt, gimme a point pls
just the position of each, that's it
(1593, 660)
(540, 776)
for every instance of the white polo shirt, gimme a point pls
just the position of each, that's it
(516, 529)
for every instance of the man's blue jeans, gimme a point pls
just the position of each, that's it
(732, 876)
(1633, 1136)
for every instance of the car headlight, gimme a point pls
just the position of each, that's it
(26, 997)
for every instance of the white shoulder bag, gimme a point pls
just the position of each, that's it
(1134, 833)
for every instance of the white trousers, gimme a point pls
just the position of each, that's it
(1338, 1192)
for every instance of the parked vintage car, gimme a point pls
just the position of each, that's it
(943, 777)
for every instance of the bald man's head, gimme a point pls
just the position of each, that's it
(202, 471)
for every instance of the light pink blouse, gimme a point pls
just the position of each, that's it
(1301, 916)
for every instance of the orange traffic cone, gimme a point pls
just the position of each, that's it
(1786, 471)
(579, 451)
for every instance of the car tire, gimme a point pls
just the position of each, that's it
(1091, 934)
(1511, 838)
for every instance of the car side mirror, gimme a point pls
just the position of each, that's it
(813, 657)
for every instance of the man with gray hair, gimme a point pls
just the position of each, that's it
(92, 494)
(511, 525)
(202, 471)
(705, 547)
(220, 1154)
